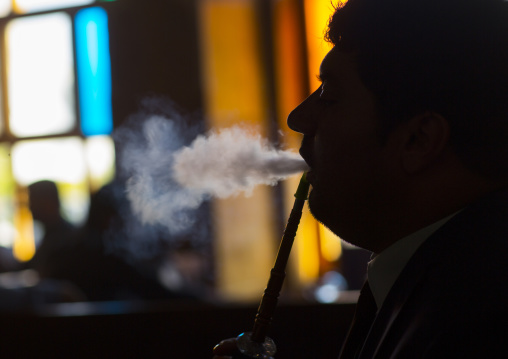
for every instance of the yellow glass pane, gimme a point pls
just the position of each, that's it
(331, 246)
(75, 200)
(233, 74)
(100, 159)
(6, 181)
(7, 192)
(245, 240)
(23, 247)
(307, 249)
(25, 6)
(40, 75)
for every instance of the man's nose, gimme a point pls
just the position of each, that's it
(302, 118)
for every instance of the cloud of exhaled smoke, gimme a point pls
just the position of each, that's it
(170, 175)
(229, 161)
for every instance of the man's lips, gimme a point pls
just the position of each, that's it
(309, 176)
(306, 157)
(306, 150)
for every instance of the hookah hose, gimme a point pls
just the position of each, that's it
(278, 272)
(256, 344)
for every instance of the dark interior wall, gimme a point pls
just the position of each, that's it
(154, 52)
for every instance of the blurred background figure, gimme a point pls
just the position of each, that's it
(57, 232)
(101, 274)
(84, 264)
(26, 286)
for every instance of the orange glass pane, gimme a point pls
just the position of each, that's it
(24, 244)
(289, 65)
(317, 14)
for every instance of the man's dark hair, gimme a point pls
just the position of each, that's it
(449, 57)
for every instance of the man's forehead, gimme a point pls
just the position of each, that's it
(334, 63)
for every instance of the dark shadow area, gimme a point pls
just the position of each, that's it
(162, 330)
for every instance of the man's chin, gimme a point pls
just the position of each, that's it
(325, 213)
(320, 210)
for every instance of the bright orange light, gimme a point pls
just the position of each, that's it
(313, 241)
(317, 14)
(289, 66)
(331, 248)
(308, 248)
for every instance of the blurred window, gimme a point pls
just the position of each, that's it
(56, 121)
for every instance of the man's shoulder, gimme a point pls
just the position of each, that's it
(452, 295)
(469, 254)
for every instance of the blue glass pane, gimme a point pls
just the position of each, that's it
(94, 71)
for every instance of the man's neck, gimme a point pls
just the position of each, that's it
(429, 201)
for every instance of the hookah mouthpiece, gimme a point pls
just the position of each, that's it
(302, 192)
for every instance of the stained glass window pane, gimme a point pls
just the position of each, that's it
(5, 7)
(41, 75)
(59, 159)
(100, 158)
(233, 91)
(317, 14)
(24, 6)
(94, 71)
(7, 191)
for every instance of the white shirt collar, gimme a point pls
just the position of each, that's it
(384, 268)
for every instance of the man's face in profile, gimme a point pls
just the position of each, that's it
(350, 167)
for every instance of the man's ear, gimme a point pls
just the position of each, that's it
(427, 136)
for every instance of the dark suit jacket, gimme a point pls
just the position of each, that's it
(451, 299)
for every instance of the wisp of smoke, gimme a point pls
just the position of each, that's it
(154, 196)
(229, 161)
